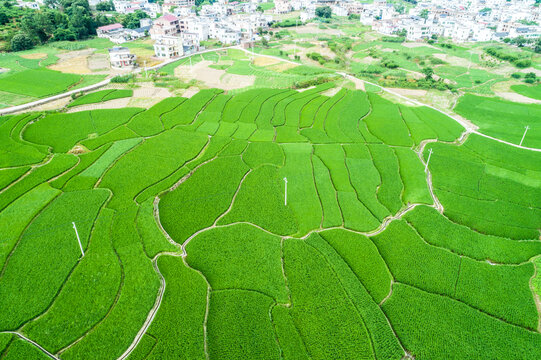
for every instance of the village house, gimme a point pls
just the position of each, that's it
(105, 31)
(121, 58)
(165, 26)
(168, 47)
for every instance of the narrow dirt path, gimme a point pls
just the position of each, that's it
(21, 336)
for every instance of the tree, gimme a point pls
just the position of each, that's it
(21, 42)
(105, 6)
(530, 78)
(424, 14)
(399, 8)
(264, 42)
(259, 9)
(4, 19)
(520, 41)
(132, 21)
(354, 16)
(428, 71)
(64, 35)
(537, 47)
(324, 12)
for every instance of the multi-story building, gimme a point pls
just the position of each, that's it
(282, 6)
(121, 58)
(166, 25)
(168, 46)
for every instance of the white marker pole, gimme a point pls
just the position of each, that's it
(523, 136)
(428, 160)
(79, 240)
(285, 197)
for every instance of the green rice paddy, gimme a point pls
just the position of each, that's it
(195, 248)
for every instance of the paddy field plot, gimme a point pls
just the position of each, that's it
(192, 251)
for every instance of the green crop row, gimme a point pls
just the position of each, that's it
(499, 290)
(236, 317)
(177, 329)
(186, 112)
(38, 83)
(431, 325)
(503, 119)
(262, 189)
(440, 231)
(46, 253)
(13, 152)
(196, 204)
(56, 166)
(229, 256)
(159, 156)
(321, 310)
(100, 96)
(386, 123)
(384, 343)
(140, 285)
(149, 122)
(63, 131)
(86, 296)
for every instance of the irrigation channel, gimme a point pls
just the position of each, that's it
(469, 129)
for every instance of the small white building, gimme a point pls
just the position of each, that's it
(121, 58)
(169, 46)
(339, 11)
(282, 6)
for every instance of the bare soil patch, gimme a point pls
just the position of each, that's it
(314, 29)
(75, 62)
(189, 92)
(98, 62)
(265, 61)
(453, 60)
(513, 96)
(281, 67)
(412, 45)
(359, 84)
(415, 93)
(368, 60)
(78, 149)
(331, 92)
(112, 104)
(213, 78)
(34, 56)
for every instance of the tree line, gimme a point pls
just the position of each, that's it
(58, 20)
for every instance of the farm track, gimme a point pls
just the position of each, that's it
(38, 346)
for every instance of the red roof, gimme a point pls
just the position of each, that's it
(169, 18)
(110, 27)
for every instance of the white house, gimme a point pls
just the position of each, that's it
(121, 58)
(282, 6)
(168, 46)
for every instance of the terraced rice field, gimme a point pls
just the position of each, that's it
(190, 250)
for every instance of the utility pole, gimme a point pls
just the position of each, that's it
(79, 240)
(523, 136)
(145, 63)
(428, 160)
(285, 197)
(295, 41)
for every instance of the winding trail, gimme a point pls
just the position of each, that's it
(21, 336)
